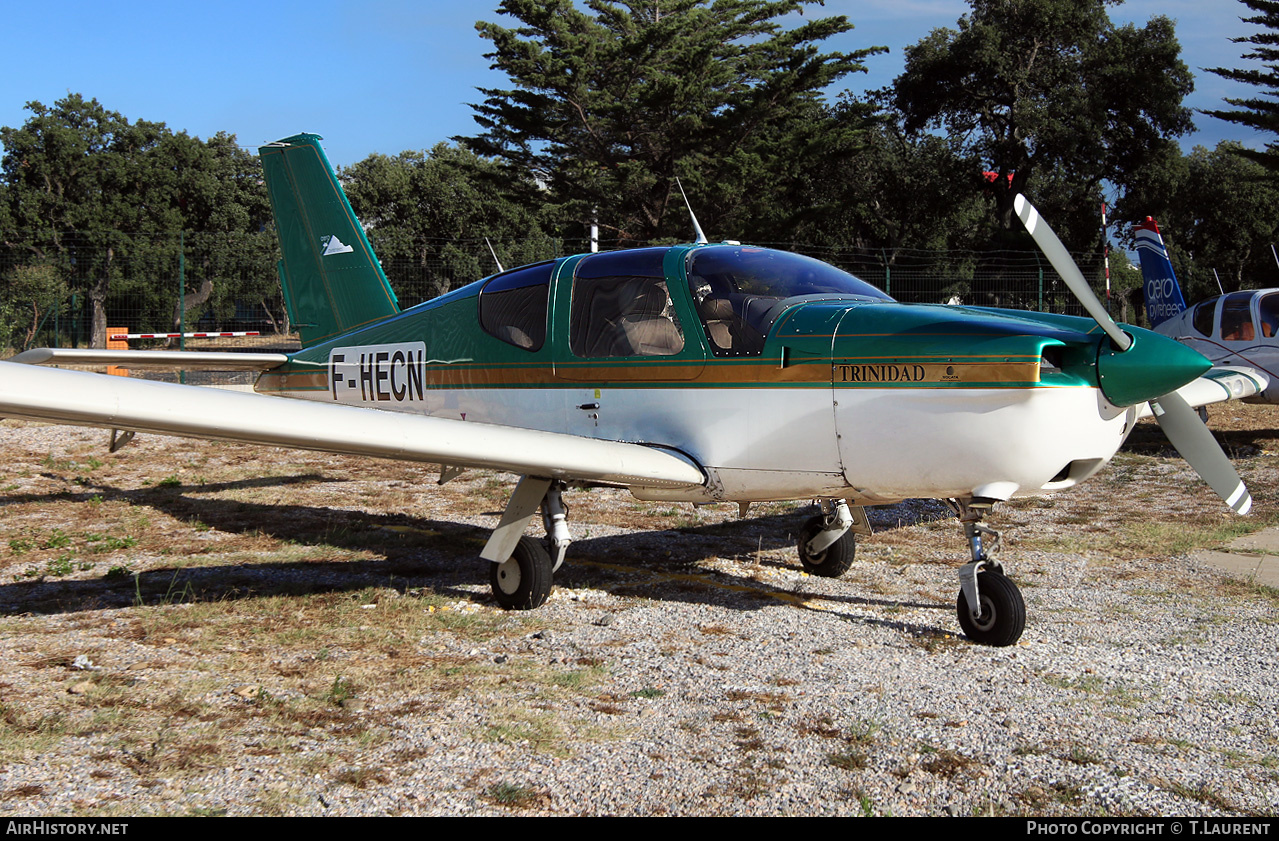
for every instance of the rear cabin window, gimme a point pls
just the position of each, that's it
(622, 306)
(513, 306)
(1203, 317)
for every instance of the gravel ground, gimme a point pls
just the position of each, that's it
(194, 628)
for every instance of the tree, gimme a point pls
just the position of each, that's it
(893, 190)
(1217, 211)
(427, 215)
(1261, 112)
(104, 199)
(1039, 86)
(610, 104)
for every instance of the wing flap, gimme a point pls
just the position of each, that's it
(85, 399)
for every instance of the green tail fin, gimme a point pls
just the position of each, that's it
(331, 278)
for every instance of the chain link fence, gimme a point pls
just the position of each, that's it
(53, 286)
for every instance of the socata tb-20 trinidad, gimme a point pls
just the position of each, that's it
(698, 373)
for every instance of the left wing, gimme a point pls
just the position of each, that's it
(84, 399)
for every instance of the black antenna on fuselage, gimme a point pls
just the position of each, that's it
(697, 229)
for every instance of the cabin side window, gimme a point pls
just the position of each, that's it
(1202, 319)
(513, 306)
(622, 307)
(1236, 318)
(1268, 315)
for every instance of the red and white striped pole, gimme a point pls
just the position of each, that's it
(1105, 253)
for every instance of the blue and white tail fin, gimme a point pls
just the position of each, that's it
(1163, 294)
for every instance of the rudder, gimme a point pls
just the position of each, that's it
(331, 278)
(1159, 282)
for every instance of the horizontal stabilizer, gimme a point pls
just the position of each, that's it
(175, 360)
(84, 399)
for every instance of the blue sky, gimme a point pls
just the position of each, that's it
(389, 75)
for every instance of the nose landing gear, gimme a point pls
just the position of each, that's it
(990, 607)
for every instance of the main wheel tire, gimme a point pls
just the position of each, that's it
(831, 562)
(524, 580)
(1003, 612)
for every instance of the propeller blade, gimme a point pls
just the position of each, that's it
(1200, 449)
(1061, 260)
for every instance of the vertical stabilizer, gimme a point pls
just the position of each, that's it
(331, 278)
(1163, 294)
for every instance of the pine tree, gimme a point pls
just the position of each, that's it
(1260, 112)
(611, 100)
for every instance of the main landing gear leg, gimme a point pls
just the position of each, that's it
(826, 542)
(521, 571)
(990, 607)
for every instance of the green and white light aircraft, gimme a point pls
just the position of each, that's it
(699, 373)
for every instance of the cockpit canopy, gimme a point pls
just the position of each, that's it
(739, 291)
(623, 303)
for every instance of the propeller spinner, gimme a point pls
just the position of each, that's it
(1178, 421)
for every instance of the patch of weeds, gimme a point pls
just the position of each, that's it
(172, 595)
(513, 795)
(207, 812)
(51, 463)
(1080, 756)
(648, 692)
(340, 692)
(539, 730)
(18, 546)
(1067, 793)
(849, 760)
(361, 776)
(863, 733)
(715, 630)
(60, 565)
(775, 701)
(29, 790)
(947, 763)
(118, 572)
(823, 727)
(58, 540)
(934, 641)
(748, 739)
(578, 678)
(1203, 794)
(170, 481)
(868, 805)
(110, 543)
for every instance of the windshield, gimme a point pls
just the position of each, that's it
(740, 291)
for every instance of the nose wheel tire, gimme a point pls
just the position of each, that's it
(831, 562)
(523, 581)
(1003, 612)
